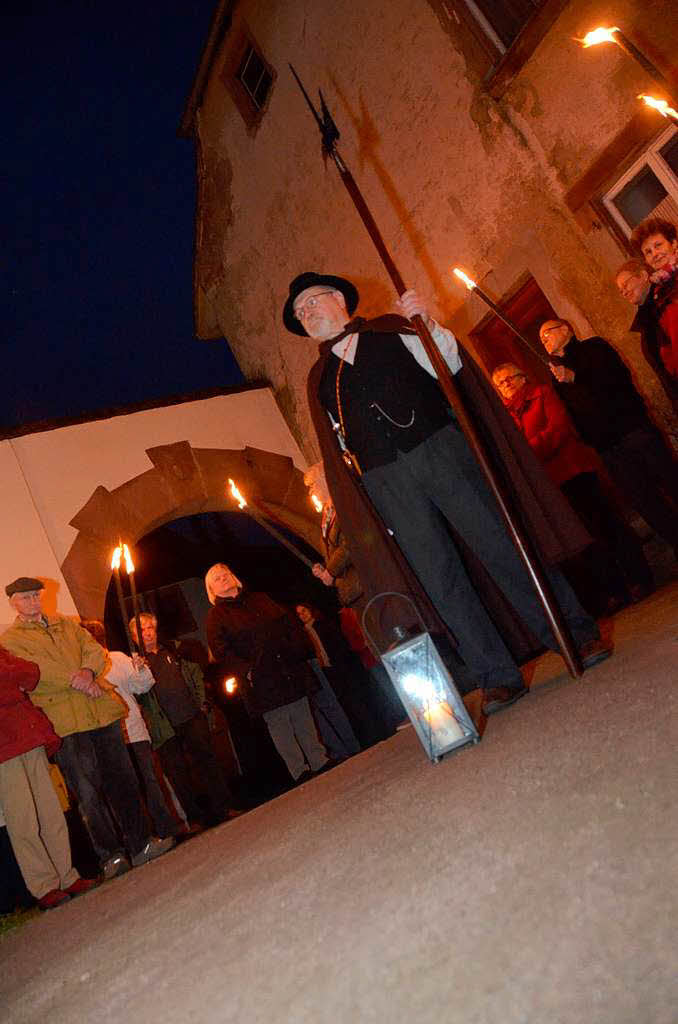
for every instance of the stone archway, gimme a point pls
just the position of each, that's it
(183, 481)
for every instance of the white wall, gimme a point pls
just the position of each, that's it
(47, 477)
(25, 549)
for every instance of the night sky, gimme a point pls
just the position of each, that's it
(100, 204)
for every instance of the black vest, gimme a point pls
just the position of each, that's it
(389, 402)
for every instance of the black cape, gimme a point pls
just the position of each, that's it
(382, 567)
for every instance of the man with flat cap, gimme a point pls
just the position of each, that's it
(86, 713)
(382, 420)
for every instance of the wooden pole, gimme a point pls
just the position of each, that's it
(526, 549)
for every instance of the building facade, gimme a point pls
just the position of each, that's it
(482, 136)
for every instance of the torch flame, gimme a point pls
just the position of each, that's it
(465, 278)
(129, 564)
(230, 684)
(661, 105)
(598, 35)
(115, 560)
(317, 503)
(236, 494)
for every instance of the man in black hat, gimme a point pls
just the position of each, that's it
(377, 407)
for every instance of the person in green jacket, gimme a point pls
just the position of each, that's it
(175, 712)
(86, 713)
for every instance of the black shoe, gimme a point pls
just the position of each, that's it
(593, 652)
(639, 591)
(499, 697)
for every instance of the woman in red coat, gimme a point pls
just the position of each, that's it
(657, 240)
(614, 568)
(35, 822)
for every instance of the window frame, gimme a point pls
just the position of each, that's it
(651, 158)
(240, 41)
(504, 62)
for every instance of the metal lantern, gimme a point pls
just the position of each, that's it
(426, 689)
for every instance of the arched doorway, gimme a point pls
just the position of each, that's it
(183, 481)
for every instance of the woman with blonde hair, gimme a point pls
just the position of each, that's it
(257, 641)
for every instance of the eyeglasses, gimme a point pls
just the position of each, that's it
(624, 283)
(507, 380)
(549, 330)
(311, 302)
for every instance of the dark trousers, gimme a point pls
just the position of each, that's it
(97, 768)
(189, 763)
(163, 823)
(333, 725)
(646, 472)
(437, 483)
(618, 554)
(357, 695)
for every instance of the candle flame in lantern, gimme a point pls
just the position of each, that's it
(465, 278)
(317, 503)
(236, 494)
(117, 555)
(661, 105)
(129, 564)
(598, 35)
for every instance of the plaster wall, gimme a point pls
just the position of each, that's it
(26, 548)
(63, 467)
(452, 176)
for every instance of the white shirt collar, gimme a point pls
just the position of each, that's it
(346, 348)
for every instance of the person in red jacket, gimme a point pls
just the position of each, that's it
(657, 241)
(615, 564)
(35, 822)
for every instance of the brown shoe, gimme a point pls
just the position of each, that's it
(499, 697)
(53, 898)
(593, 652)
(473, 702)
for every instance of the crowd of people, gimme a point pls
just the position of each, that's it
(130, 734)
(406, 513)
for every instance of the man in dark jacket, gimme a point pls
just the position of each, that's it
(374, 393)
(174, 709)
(609, 414)
(257, 641)
(633, 282)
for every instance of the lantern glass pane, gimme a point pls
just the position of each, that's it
(436, 710)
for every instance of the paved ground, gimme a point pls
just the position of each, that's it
(529, 880)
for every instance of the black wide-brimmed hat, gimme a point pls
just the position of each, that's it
(310, 279)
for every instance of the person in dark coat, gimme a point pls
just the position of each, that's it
(259, 643)
(573, 467)
(346, 675)
(175, 710)
(633, 281)
(374, 393)
(339, 572)
(597, 389)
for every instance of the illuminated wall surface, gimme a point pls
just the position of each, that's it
(49, 476)
(453, 174)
